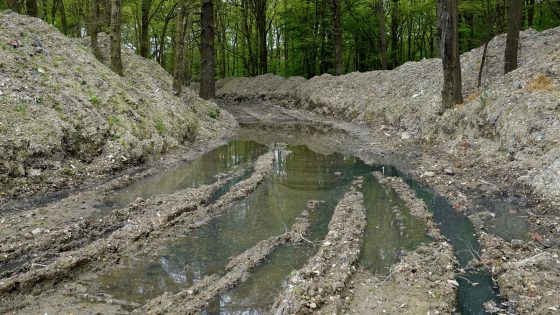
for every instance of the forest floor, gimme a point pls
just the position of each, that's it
(501, 145)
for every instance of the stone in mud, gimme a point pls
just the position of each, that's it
(405, 136)
(37, 231)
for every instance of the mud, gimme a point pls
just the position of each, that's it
(528, 273)
(149, 220)
(326, 274)
(461, 178)
(195, 298)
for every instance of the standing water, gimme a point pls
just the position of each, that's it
(298, 176)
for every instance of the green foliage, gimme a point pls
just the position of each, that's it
(94, 99)
(113, 120)
(214, 113)
(21, 108)
(159, 124)
(300, 32)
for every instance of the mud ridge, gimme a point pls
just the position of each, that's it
(42, 249)
(425, 274)
(195, 298)
(416, 205)
(326, 274)
(527, 272)
(152, 222)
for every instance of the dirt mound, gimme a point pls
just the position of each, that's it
(512, 120)
(66, 116)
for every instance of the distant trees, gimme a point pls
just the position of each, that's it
(287, 37)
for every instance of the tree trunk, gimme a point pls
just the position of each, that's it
(60, 8)
(337, 33)
(260, 16)
(512, 40)
(94, 28)
(207, 84)
(490, 28)
(14, 5)
(161, 53)
(44, 11)
(530, 12)
(247, 30)
(115, 45)
(179, 62)
(452, 87)
(188, 61)
(31, 7)
(394, 32)
(146, 5)
(382, 33)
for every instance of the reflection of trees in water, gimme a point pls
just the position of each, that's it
(191, 174)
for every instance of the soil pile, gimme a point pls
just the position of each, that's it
(67, 117)
(513, 121)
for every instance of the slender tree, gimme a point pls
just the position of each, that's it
(31, 7)
(395, 32)
(259, 10)
(179, 70)
(512, 39)
(145, 7)
(337, 34)
(115, 45)
(94, 28)
(452, 89)
(380, 8)
(207, 83)
(14, 5)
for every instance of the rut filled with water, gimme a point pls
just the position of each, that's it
(302, 180)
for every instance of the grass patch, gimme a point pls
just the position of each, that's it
(21, 108)
(112, 120)
(214, 113)
(94, 99)
(160, 126)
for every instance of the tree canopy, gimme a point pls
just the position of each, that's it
(289, 37)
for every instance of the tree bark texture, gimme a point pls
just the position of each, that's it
(382, 33)
(115, 45)
(146, 5)
(394, 32)
(179, 69)
(207, 83)
(337, 34)
(31, 7)
(14, 5)
(260, 17)
(94, 28)
(512, 39)
(452, 85)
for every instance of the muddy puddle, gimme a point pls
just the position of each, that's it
(204, 170)
(308, 177)
(475, 288)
